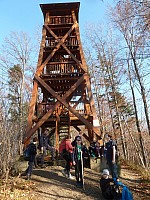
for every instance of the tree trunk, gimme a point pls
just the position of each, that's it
(136, 117)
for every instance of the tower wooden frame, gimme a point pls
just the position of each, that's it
(61, 95)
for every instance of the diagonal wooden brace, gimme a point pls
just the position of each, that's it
(64, 102)
(56, 105)
(64, 46)
(39, 70)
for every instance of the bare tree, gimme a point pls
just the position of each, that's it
(108, 67)
(18, 50)
(126, 22)
(108, 71)
(8, 144)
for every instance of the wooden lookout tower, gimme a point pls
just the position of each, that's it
(61, 95)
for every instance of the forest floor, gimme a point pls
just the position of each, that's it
(50, 184)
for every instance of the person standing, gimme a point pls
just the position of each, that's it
(111, 156)
(78, 161)
(32, 153)
(46, 145)
(66, 149)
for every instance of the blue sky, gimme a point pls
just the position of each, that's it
(26, 15)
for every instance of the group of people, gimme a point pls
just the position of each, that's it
(44, 145)
(107, 184)
(73, 152)
(96, 148)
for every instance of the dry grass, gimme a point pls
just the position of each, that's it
(144, 173)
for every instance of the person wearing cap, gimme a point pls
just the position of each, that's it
(78, 161)
(107, 185)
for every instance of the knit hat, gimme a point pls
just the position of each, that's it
(105, 172)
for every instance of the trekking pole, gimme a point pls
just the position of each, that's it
(82, 169)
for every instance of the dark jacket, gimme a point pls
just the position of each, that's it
(75, 152)
(45, 141)
(33, 152)
(109, 150)
(108, 190)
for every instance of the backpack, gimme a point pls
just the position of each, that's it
(126, 194)
(27, 153)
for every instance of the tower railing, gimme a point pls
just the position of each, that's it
(55, 20)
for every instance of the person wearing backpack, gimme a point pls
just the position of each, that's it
(111, 156)
(32, 153)
(66, 149)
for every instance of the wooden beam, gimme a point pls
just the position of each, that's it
(35, 84)
(86, 137)
(57, 133)
(77, 128)
(42, 46)
(54, 94)
(91, 100)
(64, 102)
(39, 70)
(31, 131)
(64, 46)
(84, 66)
(32, 106)
(42, 120)
(90, 95)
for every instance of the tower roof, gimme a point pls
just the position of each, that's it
(61, 9)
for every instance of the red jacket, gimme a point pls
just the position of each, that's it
(66, 144)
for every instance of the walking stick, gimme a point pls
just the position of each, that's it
(82, 169)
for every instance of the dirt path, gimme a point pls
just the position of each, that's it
(51, 184)
(140, 189)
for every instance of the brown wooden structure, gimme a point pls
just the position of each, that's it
(61, 95)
